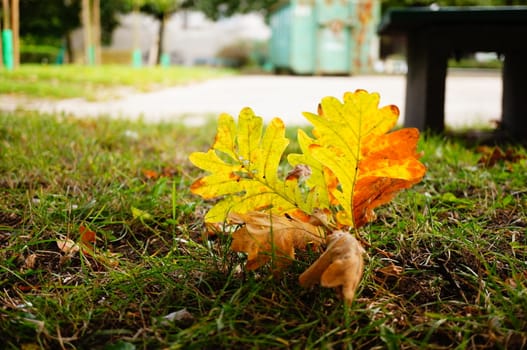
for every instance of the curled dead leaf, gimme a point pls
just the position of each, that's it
(67, 246)
(340, 266)
(391, 270)
(267, 237)
(30, 261)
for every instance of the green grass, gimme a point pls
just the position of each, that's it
(96, 82)
(459, 238)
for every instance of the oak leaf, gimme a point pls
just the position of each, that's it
(244, 166)
(267, 237)
(350, 165)
(340, 266)
(369, 165)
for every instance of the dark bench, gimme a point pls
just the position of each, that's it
(433, 35)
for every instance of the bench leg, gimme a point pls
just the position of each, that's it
(425, 84)
(514, 99)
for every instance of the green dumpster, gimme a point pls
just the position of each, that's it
(324, 36)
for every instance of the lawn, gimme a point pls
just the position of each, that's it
(97, 82)
(102, 246)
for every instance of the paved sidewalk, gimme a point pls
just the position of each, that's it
(471, 99)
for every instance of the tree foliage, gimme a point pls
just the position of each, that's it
(48, 21)
(51, 21)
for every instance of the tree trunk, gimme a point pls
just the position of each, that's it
(87, 28)
(161, 35)
(5, 7)
(15, 26)
(96, 41)
(69, 49)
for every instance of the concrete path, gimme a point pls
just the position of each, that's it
(471, 99)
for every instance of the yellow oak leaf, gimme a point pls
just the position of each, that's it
(243, 167)
(369, 164)
(267, 237)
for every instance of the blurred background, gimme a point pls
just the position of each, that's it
(298, 36)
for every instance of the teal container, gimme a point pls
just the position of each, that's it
(164, 61)
(137, 59)
(7, 48)
(324, 36)
(90, 59)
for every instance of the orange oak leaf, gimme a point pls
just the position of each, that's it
(87, 236)
(268, 237)
(364, 164)
(87, 240)
(150, 174)
(340, 266)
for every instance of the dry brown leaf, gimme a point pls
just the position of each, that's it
(340, 266)
(30, 261)
(494, 155)
(86, 245)
(67, 246)
(264, 237)
(391, 270)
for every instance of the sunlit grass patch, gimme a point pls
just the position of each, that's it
(97, 82)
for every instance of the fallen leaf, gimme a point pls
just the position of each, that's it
(86, 245)
(169, 171)
(27, 287)
(87, 236)
(150, 174)
(67, 246)
(30, 261)
(391, 270)
(267, 237)
(388, 272)
(340, 266)
(494, 155)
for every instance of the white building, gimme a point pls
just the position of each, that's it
(189, 37)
